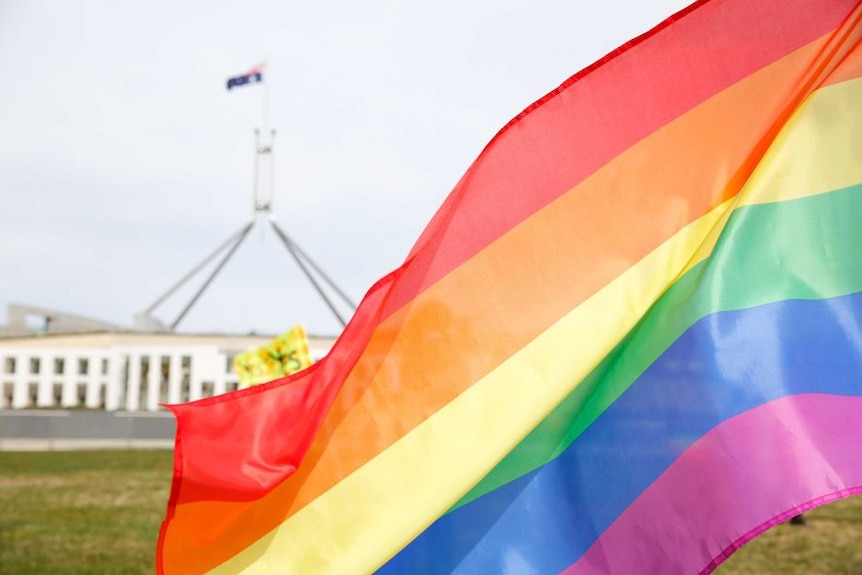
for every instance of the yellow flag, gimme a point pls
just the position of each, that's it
(286, 354)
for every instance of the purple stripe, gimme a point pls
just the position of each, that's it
(746, 475)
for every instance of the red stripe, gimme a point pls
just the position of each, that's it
(602, 111)
(262, 433)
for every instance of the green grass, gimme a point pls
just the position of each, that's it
(99, 512)
(828, 544)
(82, 512)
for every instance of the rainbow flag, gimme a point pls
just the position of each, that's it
(629, 341)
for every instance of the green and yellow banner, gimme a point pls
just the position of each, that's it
(286, 354)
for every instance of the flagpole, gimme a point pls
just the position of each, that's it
(264, 145)
(265, 122)
(255, 185)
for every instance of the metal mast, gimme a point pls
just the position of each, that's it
(264, 184)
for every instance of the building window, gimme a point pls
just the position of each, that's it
(186, 380)
(9, 365)
(59, 366)
(37, 323)
(32, 394)
(105, 366)
(8, 393)
(83, 366)
(144, 383)
(34, 365)
(164, 377)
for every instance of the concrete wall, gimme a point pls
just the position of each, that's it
(84, 429)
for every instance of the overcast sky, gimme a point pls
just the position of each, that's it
(124, 161)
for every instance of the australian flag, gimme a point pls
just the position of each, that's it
(253, 75)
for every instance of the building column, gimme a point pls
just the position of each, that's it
(21, 382)
(154, 377)
(69, 379)
(93, 380)
(133, 384)
(220, 383)
(45, 395)
(114, 381)
(175, 378)
(195, 383)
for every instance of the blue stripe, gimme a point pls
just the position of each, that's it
(726, 363)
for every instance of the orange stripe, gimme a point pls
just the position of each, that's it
(564, 253)
(850, 68)
(575, 129)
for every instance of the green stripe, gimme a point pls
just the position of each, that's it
(807, 248)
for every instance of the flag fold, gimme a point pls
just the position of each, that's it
(629, 340)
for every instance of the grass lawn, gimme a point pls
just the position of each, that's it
(82, 512)
(830, 543)
(99, 512)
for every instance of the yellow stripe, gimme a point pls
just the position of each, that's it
(783, 173)
(378, 503)
(359, 523)
(818, 151)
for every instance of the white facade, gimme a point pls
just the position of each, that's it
(130, 371)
